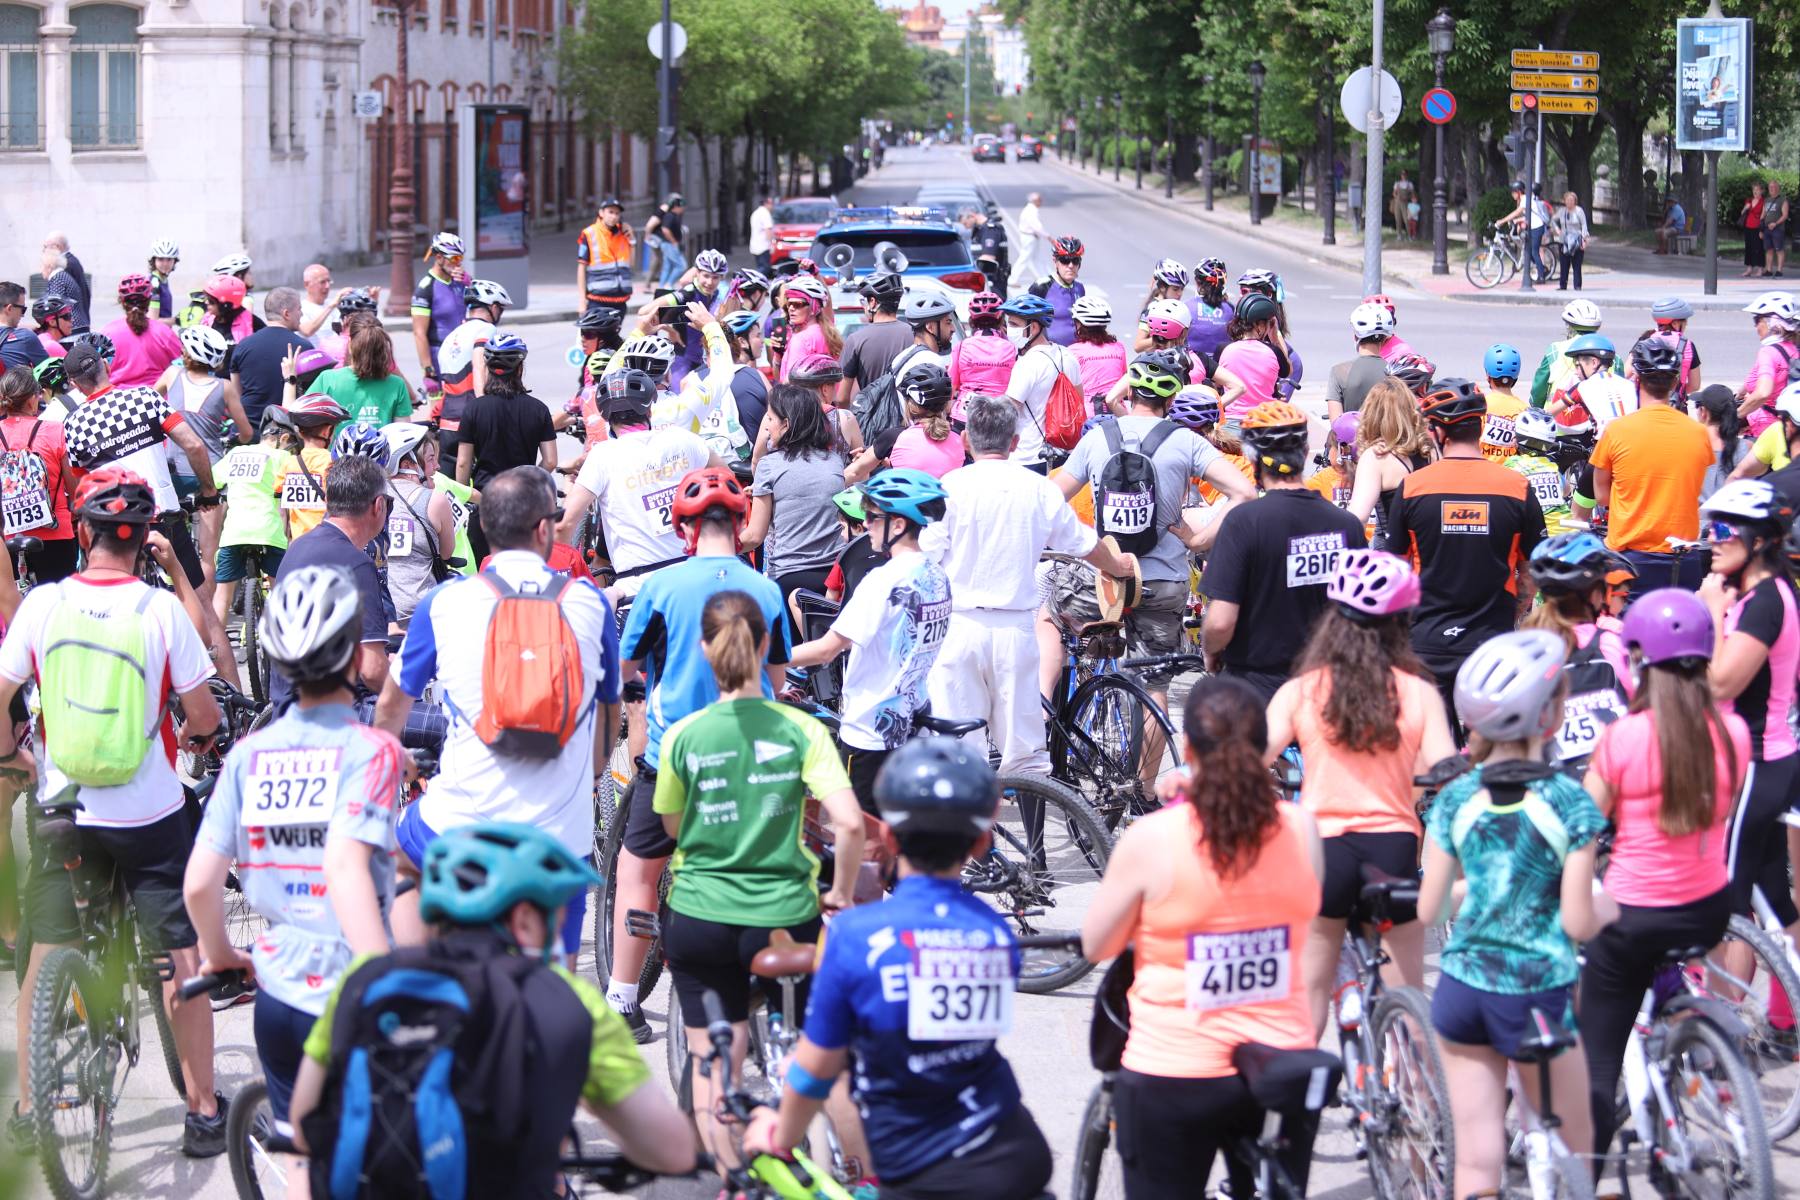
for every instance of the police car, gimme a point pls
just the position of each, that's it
(919, 243)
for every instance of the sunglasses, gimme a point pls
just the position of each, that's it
(795, 304)
(1069, 262)
(1717, 531)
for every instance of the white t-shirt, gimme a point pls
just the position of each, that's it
(456, 356)
(1033, 374)
(762, 220)
(999, 518)
(895, 620)
(309, 310)
(633, 480)
(177, 663)
(473, 783)
(1606, 397)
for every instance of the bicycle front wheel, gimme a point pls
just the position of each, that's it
(1486, 267)
(1717, 1115)
(1041, 872)
(609, 898)
(1769, 1052)
(74, 1067)
(251, 588)
(1412, 1146)
(248, 1127)
(1119, 743)
(1097, 1174)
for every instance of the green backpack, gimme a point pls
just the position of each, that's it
(93, 684)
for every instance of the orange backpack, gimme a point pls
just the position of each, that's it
(531, 702)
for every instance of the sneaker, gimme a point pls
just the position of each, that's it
(637, 1022)
(22, 1132)
(204, 1137)
(229, 995)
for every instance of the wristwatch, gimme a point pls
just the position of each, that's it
(207, 501)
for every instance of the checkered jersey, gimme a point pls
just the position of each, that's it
(116, 424)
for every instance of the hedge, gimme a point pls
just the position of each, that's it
(1494, 204)
(1734, 189)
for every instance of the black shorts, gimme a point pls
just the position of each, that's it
(58, 559)
(712, 956)
(152, 859)
(174, 527)
(1395, 853)
(1010, 1161)
(863, 766)
(1757, 851)
(644, 832)
(1266, 683)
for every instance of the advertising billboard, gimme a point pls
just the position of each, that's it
(1714, 77)
(495, 191)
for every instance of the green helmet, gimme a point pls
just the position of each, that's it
(474, 875)
(850, 503)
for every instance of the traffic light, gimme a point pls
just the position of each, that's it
(1514, 145)
(664, 150)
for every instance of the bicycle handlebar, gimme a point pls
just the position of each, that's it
(1155, 663)
(616, 1173)
(199, 985)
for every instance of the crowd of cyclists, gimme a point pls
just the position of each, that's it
(477, 653)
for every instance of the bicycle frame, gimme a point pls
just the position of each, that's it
(1645, 1080)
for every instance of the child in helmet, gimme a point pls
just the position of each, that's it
(1573, 572)
(1501, 365)
(313, 415)
(1597, 385)
(1534, 456)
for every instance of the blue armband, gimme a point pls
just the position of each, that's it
(805, 1083)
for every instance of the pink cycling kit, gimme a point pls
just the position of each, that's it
(807, 343)
(914, 450)
(1102, 366)
(1773, 359)
(1255, 364)
(981, 363)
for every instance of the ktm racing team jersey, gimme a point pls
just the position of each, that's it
(1467, 523)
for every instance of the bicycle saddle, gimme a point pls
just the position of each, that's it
(1547, 1037)
(1288, 1080)
(1385, 898)
(947, 726)
(783, 957)
(24, 544)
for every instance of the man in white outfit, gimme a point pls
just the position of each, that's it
(1032, 239)
(999, 518)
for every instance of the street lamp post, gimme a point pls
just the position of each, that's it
(1258, 73)
(400, 184)
(1440, 33)
(1118, 134)
(1209, 143)
(1328, 176)
(1169, 164)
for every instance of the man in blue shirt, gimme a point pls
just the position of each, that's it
(918, 988)
(19, 347)
(1674, 224)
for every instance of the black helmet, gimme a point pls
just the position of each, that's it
(937, 785)
(1654, 356)
(884, 285)
(1453, 401)
(926, 386)
(627, 396)
(600, 320)
(355, 300)
(46, 308)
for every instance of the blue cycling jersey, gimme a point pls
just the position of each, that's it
(897, 984)
(1206, 326)
(1062, 305)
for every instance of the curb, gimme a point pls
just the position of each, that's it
(1516, 298)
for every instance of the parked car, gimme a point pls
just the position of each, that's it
(798, 220)
(989, 149)
(1029, 149)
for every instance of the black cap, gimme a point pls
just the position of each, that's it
(81, 360)
(610, 202)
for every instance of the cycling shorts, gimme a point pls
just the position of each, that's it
(413, 835)
(233, 562)
(712, 956)
(152, 860)
(281, 1031)
(1470, 1016)
(863, 766)
(1757, 853)
(644, 832)
(1011, 1161)
(174, 526)
(1395, 854)
(1170, 1130)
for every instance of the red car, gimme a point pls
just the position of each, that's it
(798, 220)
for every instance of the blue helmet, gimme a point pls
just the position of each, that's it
(905, 492)
(1028, 307)
(1502, 361)
(1094, 422)
(1590, 343)
(475, 874)
(738, 323)
(1575, 562)
(365, 440)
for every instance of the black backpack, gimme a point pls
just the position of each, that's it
(878, 408)
(455, 1070)
(1125, 492)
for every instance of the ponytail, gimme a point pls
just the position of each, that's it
(933, 421)
(731, 632)
(1231, 791)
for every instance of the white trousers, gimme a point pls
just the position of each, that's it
(988, 667)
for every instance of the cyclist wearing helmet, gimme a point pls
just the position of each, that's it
(1101, 355)
(1168, 280)
(1212, 312)
(1555, 371)
(871, 347)
(1776, 318)
(598, 334)
(1470, 524)
(1257, 356)
(709, 271)
(342, 835)
(1336, 480)
(932, 319)
(1534, 457)
(1573, 573)
(1367, 718)
(544, 1043)
(1501, 366)
(1349, 382)
(709, 509)
(1273, 556)
(142, 348)
(462, 359)
(603, 254)
(122, 758)
(983, 361)
(19, 347)
(1596, 387)
(941, 1108)
(423, 533)
(1670, 316)
(313, 416)
(1649, 467)
(1061, 289)
(505, 426)
(926, 442)
(1215, 896)
(55, 321)
(893, 625)
(210, 402)
(1035, 371)
(250, 477)
(35, 479)
(164, 254)
(228, 308)
(1525, 837)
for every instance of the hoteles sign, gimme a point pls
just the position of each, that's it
(1714, 76)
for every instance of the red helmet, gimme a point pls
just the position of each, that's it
(1067, 247)
(136, 287)
(702, 490)
(115, 495)
(1383, 299)
(316, 408)
(226, 289)
(984, 304)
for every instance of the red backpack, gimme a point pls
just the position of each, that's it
(1065, 412)
(531, 702)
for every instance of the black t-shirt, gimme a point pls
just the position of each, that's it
(870, 349)
(1468, 523)
(506, 432)
(856, 560)
(989, 240)
(751, 391)
(1272, 558)
(256, 361)
(1786, 483)
(1762, 617)
(328, 546)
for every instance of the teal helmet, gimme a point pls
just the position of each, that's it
(1590, 343)
(741, 322)
(905, 492)
(474, 875)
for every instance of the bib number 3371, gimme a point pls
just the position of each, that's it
(959, 994)
(1225, 970)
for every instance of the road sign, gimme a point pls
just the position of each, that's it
(1554, 81)
(1438, 105)
(677, 38)
(1555, 60)
(1353, 99)
(1568, 106)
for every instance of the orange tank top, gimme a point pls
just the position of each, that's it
(1218, 962)
(1351, 792)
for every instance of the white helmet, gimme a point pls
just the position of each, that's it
(1092, 312)
(487, 292)
(712, 262)
(1371, 320)
(205, 345)
(809, 288)
(1505, 690)
(313, 623)
(1173, 310)
(448, 245)
(165, 248)
(232, 264)
(1787, 402)
(403, 439)
(1774, 304)
(1170, 272)
(651, 353)
(1746, 502)
(1582, 314)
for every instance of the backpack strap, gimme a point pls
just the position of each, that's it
(32, 436)
(1153, 440)
(1114, 443)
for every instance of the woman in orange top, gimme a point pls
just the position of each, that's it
(1367, 718)
(1216, 894)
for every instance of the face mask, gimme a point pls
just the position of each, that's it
(1020, 338)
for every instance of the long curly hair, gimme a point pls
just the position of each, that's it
(1359, 714)
(1231, 791)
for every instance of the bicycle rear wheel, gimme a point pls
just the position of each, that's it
(255, 668)
(165, 1034)
(1716, 1114)
(603, 911)
(1097, 1174)
(1769, 1052)
(1048, 855)
(1110, 748)
(1486, 267)
(74, 1067)
(1412, 1148)
(251, 1122)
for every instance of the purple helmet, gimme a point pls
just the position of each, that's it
(1370, 583)
(1667, 624)
(1344, 428)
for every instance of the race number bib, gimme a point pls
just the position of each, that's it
(660, 507)
(1547, 486)
(957, 991)
(1127, 512)
(400, 537)
(1226, 970)
(297, 491)
(1585, 718)
(291, 787)
(24, 511)
(244, 468)
(1312, 558)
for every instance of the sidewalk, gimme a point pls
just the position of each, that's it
(1618, 272)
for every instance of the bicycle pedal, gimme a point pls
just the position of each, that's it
(641, 924)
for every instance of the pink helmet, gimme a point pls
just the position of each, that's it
(984, 304)
(1371, 583)
(226, 289)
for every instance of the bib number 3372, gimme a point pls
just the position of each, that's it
(1226, 970)
(291, 787)
(959, 994)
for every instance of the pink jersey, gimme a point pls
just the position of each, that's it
(981, 363)
(139, 359)
(1774, 360)
(1395, 347)
(1102, 365)
(808, 343)
(914, 450)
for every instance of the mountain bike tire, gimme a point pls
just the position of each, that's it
(1406, 1053)
(604, 910)
(1021, 882)
(66, 987)
(1106, 743)
(1697, 1058)
(1096, 1173)
(165, 1036)
(254, 665)
(248, 1124)
(1771, 1056)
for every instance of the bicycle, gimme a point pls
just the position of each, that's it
(85, 1032)
(1552, 1170)
(252, 596)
